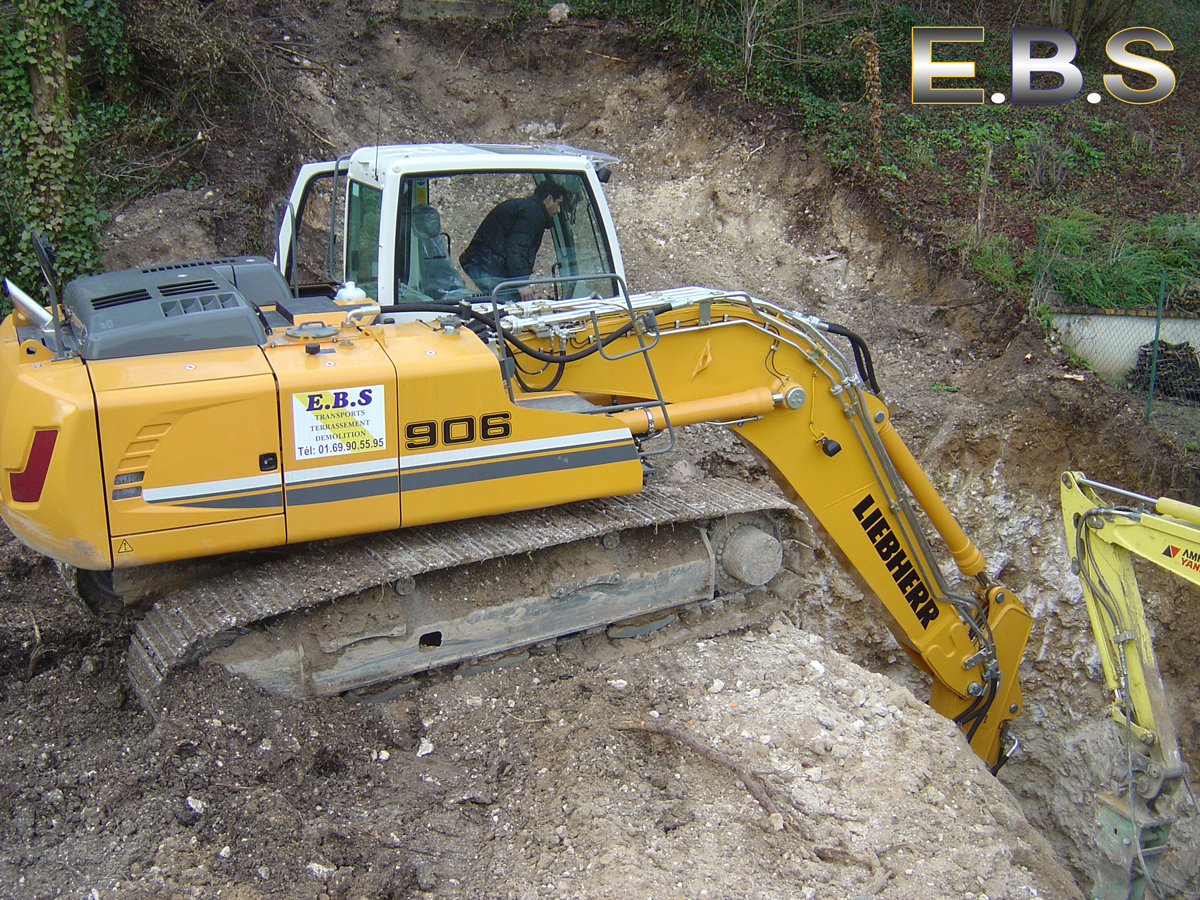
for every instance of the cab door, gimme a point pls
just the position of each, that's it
(309, 234)
(332, 229)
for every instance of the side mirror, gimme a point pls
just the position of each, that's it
(604, 173)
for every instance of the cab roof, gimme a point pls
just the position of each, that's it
(476, 156)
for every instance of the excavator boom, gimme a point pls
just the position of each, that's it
(828, 441)
(1106, 527)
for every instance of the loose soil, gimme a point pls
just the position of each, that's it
(547, 778)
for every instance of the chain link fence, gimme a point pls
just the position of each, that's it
(1121, 312)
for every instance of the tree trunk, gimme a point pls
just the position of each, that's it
(47, 66)
(1090, 22)
(799, 33)
(49, 152)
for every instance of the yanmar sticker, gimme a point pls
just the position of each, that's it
(1189, 559)
(915, 591)
(336, 422)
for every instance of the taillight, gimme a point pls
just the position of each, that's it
(26, 486)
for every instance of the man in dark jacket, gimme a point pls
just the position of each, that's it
(506, 243)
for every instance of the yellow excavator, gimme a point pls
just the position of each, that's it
(465, 471)
(1106, 528)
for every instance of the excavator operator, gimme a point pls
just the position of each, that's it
(506, 244)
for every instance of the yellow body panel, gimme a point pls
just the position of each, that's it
(181, 369)
(201, 540)
(67, 522)
(183, 439)
(466, 450)
(337, 411)
(242, 448)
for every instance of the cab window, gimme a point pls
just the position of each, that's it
(441, 214)
(363, 206)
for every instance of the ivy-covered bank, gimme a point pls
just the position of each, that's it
(59, 65)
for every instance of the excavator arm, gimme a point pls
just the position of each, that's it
(1106, 527)
(778, 379)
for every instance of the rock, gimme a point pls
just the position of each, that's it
(426, 880)
(340, 882)
(320, 871)
(675, 817)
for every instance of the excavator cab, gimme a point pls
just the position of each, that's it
(399, 234)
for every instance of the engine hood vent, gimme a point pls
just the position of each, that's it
(120, 299)
(180, 288)
(194, 263)
(139, 312)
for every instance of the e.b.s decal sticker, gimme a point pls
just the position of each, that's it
(340, 421)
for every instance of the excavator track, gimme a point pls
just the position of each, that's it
(246, 606)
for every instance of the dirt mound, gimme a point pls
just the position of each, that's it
(204, 223)
(538, 780)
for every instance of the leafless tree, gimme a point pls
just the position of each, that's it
(1089, 21)
(759, 37)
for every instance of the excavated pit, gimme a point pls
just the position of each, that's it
(523, 783)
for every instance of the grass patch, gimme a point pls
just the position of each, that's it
(1113, 263)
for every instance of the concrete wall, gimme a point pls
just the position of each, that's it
(1110, 343)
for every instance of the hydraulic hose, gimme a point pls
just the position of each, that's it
(480, 323)
(553, 383)
(542, 356)
(466, 311)
(862, 353)
(976, 715)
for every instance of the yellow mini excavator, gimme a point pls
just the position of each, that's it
(1106, 527)
(362, 411)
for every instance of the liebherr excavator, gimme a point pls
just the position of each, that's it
(359, 399)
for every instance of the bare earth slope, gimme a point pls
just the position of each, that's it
(541, 780)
